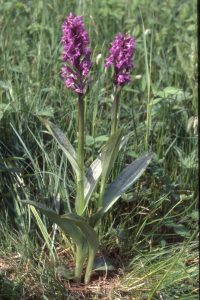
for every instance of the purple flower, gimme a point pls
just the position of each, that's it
(120, 56)
(76, 53)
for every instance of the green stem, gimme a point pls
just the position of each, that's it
(115, 119)
(80, 257)
(89, 268)
(115, 111)
(80, 177)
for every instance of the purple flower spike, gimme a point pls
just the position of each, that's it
(120, 56)
(76, 53)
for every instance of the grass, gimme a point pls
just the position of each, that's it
(151, 233)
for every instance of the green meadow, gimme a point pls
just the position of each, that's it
(149, 239)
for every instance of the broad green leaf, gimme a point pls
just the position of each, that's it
(124, 141)
(63, 142)
(86, 229)
(66, 225)
(94, 219)
(124, 180)
(108, 156)
(109, 153)
(92, 179)
(90, 140)
(69, 226)
(103, 263)
(94, 173)
(90, 236)
(101, 138)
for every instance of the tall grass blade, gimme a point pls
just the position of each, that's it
(43, 230)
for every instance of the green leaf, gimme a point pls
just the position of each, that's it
(63, 142)
(179, 229)
(89, 140)
(124, 180)
(94, 173)
(45, 112)
(69, 227)
(182, 230)
(90, 236)
(109, 153)
(66, 225)
(92, 178)
(86, 229)
(103, 263)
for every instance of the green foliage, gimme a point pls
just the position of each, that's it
(64, 143)
(161, 208)
(124, 180)
(82, 234)
(108, 156)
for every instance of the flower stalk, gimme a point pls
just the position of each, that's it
(77, 64)
(80, 153)
(115, 110)
(120, 56)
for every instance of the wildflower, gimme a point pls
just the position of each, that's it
(120, 56)
(76, 53)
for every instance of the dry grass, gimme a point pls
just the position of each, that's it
(21, 280)
(24, 282)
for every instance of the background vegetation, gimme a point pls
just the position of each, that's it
(151, 234)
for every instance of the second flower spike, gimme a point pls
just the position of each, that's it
(120, 56)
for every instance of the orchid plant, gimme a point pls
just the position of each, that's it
(80, 225)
